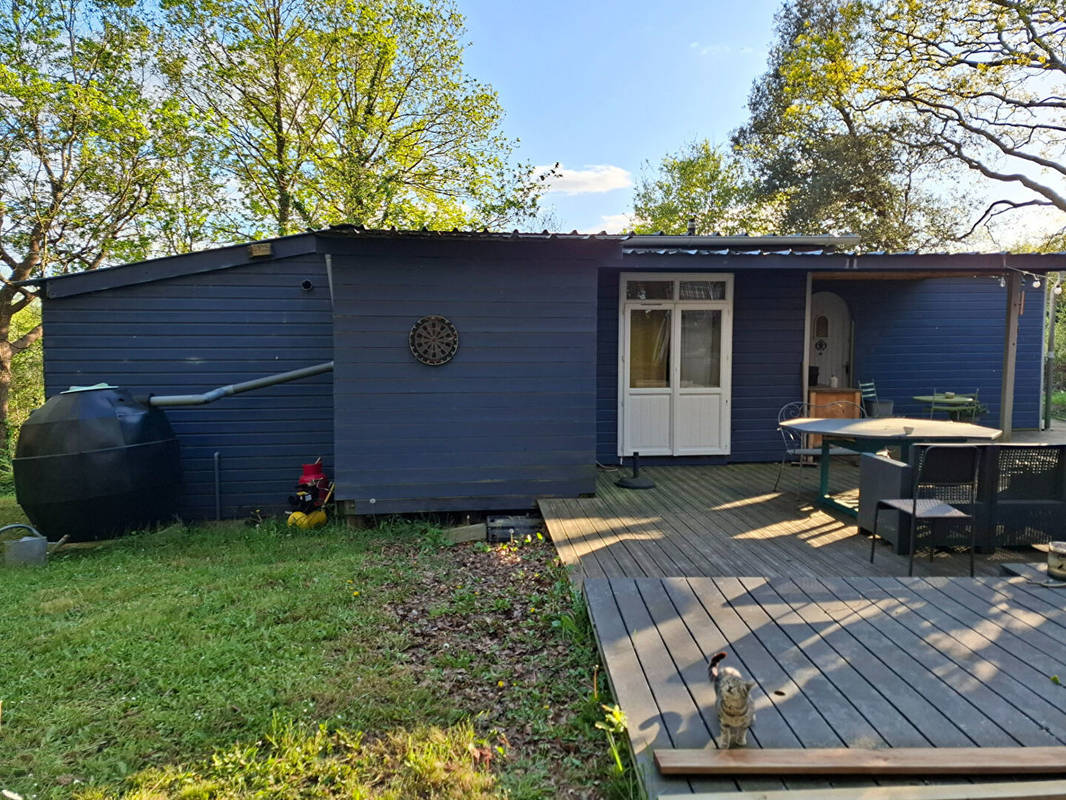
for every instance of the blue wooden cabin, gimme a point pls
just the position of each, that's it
(716, 334)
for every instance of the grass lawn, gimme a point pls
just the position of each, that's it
(230, 661)
(11, 512)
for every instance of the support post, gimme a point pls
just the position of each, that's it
(1010, 353)
(1049, 347)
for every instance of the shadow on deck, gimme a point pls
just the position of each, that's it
(844, 652)
(717, 521)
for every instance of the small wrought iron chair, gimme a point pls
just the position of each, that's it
(796, 443)
(968, 412)
(945, 477)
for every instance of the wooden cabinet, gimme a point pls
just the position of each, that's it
(824, 395)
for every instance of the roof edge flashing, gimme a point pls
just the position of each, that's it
(848, 240)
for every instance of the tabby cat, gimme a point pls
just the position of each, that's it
(732, 701)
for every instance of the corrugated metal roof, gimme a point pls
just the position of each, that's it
(744, 241)
(729, 251)
(455, 233)
(793, 251)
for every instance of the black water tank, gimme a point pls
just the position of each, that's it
(95, 462)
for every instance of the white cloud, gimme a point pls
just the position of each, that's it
(593, 179)
(720, 49)
(612, 223)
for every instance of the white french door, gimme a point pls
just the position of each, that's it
(675, 364)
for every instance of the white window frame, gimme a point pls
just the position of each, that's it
(677, 306)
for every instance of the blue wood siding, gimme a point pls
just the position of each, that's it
(768, 309)
(911, 336)
(509, 419)
(947, 334)
(190, 334)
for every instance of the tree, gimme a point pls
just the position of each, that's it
(979, 83)
(346, 111)
(826, 163)
(699, 182)
(987, 81)
(84, 144)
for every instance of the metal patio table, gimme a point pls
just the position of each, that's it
(942, 400)
(871, 434)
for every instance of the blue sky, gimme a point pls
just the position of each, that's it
(603, 87)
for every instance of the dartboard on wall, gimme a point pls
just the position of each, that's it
(434, 340)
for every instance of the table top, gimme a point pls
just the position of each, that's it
(942, 399)
(895, 428)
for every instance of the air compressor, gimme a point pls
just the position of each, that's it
(313, 491)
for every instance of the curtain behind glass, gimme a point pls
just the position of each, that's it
(649, 348)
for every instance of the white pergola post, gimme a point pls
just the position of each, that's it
(1010, 353)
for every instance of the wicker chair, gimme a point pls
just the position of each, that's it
(1028, 487)
(944, 490)
(1021, 496)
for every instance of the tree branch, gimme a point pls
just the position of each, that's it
(27, 339)
(993, 210)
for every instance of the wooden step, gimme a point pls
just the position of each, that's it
(857, 761)
(1014, 790)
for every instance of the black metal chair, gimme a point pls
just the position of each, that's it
(795, 442)
(945, 477)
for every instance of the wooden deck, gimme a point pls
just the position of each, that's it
(844, 652)
(727, 520)
(859, 662)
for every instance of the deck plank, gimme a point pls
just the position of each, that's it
(844, 652)
(1014, 679)
(900, 695)
(597, 549)
(888, 612)
(562, 532)
(848, 723)
(690, 663)
(645, 726)
(855, 662)
(998, 597)
(723, 521)
(902, 660)
(1031, 646)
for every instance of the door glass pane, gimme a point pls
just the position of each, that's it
(701, 349)
(649, 348)
(649, 290)
(702, 290)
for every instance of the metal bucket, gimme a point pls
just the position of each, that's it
(29, 550)
(1056, 561)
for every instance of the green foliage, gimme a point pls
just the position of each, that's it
(824, 160)
(699, 182)
(613, 725)
(985, 78)
(84, 138)
(86, 143)
(27, 368)
(27, 386)
(346, 111)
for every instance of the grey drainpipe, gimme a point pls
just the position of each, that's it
(236, 388)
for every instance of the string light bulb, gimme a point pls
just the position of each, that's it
(1036, 283)
(1002, 282)
(1058, 288)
